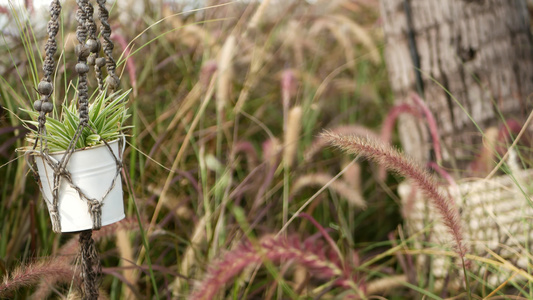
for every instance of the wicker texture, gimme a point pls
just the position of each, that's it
(495, 214)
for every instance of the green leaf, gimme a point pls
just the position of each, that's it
(92, 140)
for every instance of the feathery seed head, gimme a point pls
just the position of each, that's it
(395, 161)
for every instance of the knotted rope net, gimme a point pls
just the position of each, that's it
(87, 52)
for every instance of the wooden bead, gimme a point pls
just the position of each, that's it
(47, 107)
(37, 105)
(45, 88)
(100, 62)
(82, 68)
(112, 81)
(93, 45)
(82, 51)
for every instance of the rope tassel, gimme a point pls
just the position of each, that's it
(56, 222)
(90, 266)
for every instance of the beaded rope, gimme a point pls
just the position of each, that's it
(45, 89)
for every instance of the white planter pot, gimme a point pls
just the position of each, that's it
(92, 171)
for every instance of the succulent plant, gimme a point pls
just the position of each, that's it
(107, 115)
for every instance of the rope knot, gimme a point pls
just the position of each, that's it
(95, 209)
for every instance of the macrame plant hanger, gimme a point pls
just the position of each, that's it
(87, 52)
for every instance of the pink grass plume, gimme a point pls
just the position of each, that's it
(130, 63)
(393, 160)
(432, 124)
(510, 127)
(34, 273)
(319, 142)
(392, 116)
(311, 254)
(288, 86)
(388, 126)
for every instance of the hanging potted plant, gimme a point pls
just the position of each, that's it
(93, 167)
(77, 153)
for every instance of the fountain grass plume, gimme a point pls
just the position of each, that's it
(397, 162)
(432, 124)
(34, 273)
(317, 258)
(320, 142)
(225, 72)
(392, 116)
(292, 135)
(354, 196)
(129, 61)
(388, 127)
(249, 151)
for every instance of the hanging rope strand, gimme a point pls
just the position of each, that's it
(51, 44)
(89, 256)
(45, 87)
(112, 80)
(90, 25)
(82, 51)
(44, 104)
(94, 46)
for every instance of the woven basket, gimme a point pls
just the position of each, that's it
(495, 214)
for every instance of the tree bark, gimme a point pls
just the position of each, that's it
(467, 59)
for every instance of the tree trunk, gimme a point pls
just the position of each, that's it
(480, 51)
